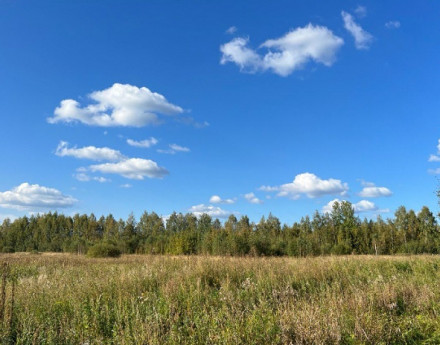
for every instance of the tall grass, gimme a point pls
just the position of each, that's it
(67, 299)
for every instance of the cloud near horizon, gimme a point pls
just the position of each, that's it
(213, 211)
(285, 54)
(119, 105)
(310, 185)
(359, 207)
(370, 190)
(34, 197)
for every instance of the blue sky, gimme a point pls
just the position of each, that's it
(220, 107)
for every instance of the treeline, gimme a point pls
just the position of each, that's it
(337, 232)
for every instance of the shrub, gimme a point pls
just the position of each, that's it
(8, 249)
(104, 250)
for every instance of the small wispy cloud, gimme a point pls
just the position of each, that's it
(83, 177)
(361, 11)
(362, 38)
(143, 143)
(173, 149)
(435, 157)
(392, 24)
(215, 199)
(231, 30)
(252, 198)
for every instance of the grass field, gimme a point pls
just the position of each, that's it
(67, 299)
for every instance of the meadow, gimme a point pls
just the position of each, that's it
(142, 299)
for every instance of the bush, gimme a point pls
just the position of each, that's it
(8, 249)
(104, 250)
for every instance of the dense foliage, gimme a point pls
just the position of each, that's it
(337, 232)
(103, 250)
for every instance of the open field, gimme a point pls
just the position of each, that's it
(69, 299)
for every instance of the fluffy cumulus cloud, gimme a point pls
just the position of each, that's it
(132, 168)
(364, 206)
(33, 196)
(309, 185)
(215, 199)
(362, 38)
(252, 198)
(119, 105)
(213, 211)
(143, 143)
(173, 149)
(392, 24)
(359, 207)
(372, 191)
(89, 152)
(285, 54)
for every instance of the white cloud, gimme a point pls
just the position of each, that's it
(434, 158)
(359, 207)
(33, 196)
(434, 171)
(392, 24)
(364, 206)
(215, 199)
(132, 168)
(83, 177)
(287, 53)
(174, 148)
(89, 152)
(126, 185)
(371, 191)
(119, 105)
(143, 143)
(362, 38)
(269, 188)
(328, 208)
(213, 211)
(310, 185)
(361, 11)
(179, 148)
(190, 121)
(236, 51)
(231, 30)
(252, 198)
